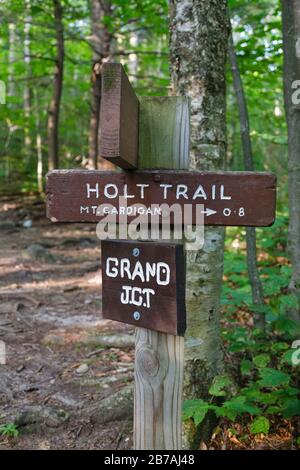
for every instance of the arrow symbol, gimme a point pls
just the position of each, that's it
(208, 212)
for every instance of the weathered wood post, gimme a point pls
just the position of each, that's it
(163, 136)
(159, 357)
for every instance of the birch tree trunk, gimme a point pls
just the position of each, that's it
(38, 144)
(11, 59)
(27, 91)
(12, 38)
(256, 285)
(291, 51)
(198, 44)
(54, 108)
(101, 41)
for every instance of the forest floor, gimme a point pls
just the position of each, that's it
(67, 381)
(63, 359)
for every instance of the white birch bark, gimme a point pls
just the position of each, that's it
(27, 91)
(198, 44)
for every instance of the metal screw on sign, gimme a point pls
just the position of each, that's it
(136, 316)
(135, 252)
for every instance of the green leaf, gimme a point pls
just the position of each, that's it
(236, 406)
(262, 360)
(9, 429)
(35, 10)
(260, 425)
(273, 378)
(246, 367)
(254, 394)
(195, 409)
(291, 408)
(218, 385)
(286, 325)
(271, 410)
(287, 357)
(279, 346)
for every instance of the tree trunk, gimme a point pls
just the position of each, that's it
(133, 60)
(11, 59)
(27, 90)
(256, 286)
(54, 108)
(39, 148)
(101, 40)
(10, 92)
(291, 51)
(198, 46)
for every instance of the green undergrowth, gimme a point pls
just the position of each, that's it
(260, 384)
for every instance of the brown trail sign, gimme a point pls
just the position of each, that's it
(145, 282)
(229, 198)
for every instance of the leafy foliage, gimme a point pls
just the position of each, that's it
(140, 43)
(195, 409)
(260, 425)
(9, 430)
(261, 383)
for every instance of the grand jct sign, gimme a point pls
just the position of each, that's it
(143, 284)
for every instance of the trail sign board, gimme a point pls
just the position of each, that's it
(144, 284)
(118, 118)
(229, 198)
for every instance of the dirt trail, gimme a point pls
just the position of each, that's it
(62, 358)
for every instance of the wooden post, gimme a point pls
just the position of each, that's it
(159, 358)
(158, 390)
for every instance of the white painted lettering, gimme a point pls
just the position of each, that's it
(165, 188)
(163, 271)
(142, 186)
(136, 300)
(112, 271)
(200, 192)
(150, 271)
(125, 295)
(147, 292)
(126, 195)
(112, 195)
(125, 268)
(138, 272)
(90, 190)
(222, 195)
(181, 191)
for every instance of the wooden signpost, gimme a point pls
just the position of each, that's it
(144, 282)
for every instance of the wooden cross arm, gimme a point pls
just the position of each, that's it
(228, 198)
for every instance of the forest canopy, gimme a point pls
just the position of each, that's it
(139, 40)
